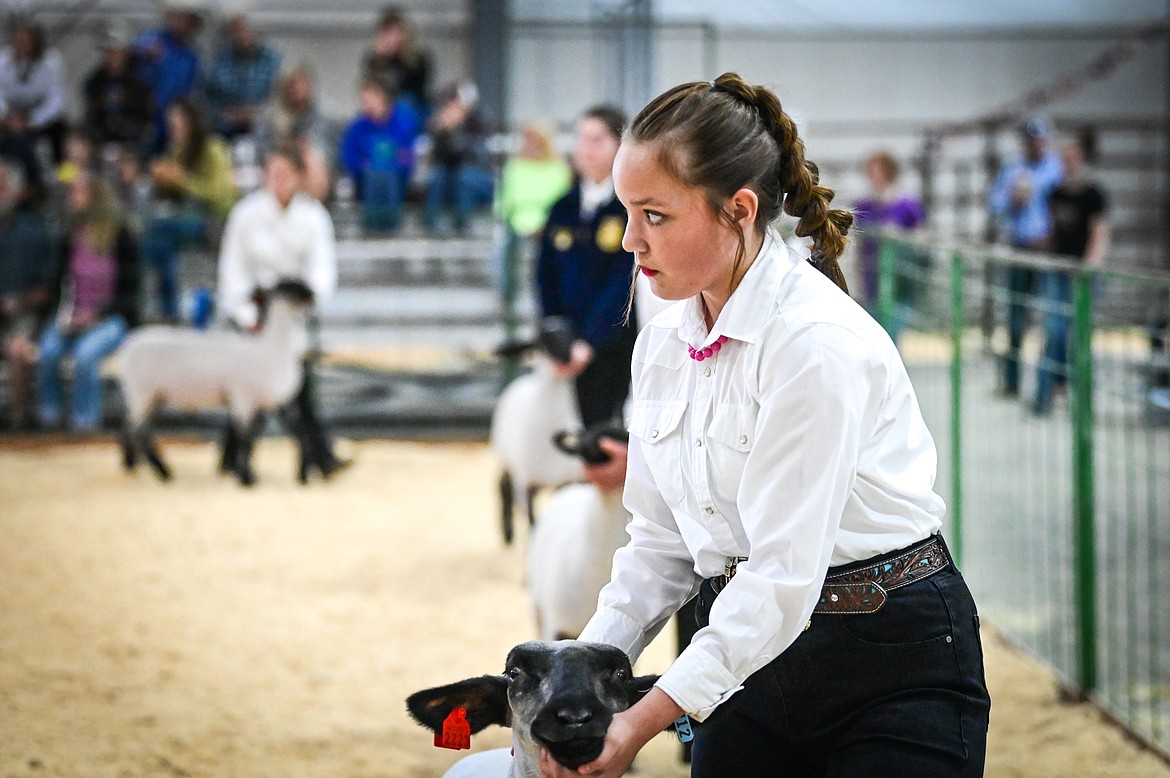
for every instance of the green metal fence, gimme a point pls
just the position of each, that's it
(1058, 484)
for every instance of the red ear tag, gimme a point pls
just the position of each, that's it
(456, 732)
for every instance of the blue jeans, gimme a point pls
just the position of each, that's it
(900, 691)
(382, 194)
(1056, 292)
(161, 242)
(88, 350)
(1021, 286)
(465, 187)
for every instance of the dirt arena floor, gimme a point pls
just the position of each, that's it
(199, 629)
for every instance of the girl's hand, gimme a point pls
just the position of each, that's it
(580, 356)
(622, 744)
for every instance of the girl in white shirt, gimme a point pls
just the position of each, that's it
(780, 468)
(276, 233)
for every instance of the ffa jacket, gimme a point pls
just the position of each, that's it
(583, 273)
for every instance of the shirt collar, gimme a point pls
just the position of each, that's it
(747, 310)
(595, 195)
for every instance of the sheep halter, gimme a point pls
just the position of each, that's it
(456, 733)
(699, 354)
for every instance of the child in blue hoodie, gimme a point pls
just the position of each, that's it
(377, 151)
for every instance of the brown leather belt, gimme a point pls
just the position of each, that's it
(864, 587)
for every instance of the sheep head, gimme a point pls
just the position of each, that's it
(586, 445)
(557, 696)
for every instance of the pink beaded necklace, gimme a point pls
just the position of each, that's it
(699, 354)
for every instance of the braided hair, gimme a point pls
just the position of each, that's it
(725, 135)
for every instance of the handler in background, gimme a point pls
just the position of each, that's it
(583, 273)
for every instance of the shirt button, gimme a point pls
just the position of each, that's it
(654, 434)
(743, 438)
(707, 372)
(709, 509)
(699, 443)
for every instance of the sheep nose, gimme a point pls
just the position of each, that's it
(574, 716)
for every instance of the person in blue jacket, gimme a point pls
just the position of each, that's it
(584, 275)
(377, 151)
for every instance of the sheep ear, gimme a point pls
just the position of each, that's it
(485, 698)
(639, 686)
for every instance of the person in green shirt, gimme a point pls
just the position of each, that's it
(194, 187)
(531, 182)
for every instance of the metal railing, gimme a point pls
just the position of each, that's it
(1046, 385)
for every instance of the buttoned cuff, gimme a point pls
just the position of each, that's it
(614, 628)
(698, 683)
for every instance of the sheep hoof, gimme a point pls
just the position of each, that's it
(247, 479)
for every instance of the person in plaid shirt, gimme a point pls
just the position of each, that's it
(241, 79)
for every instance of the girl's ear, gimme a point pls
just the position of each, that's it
(743, 206)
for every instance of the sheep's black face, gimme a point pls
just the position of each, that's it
(569, 692)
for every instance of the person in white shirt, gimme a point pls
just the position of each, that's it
(780, 468)
(32, 85)
(279, 232)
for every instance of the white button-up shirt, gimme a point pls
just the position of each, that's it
(264, 243)
(799, 445)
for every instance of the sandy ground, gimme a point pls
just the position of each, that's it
(199, 629)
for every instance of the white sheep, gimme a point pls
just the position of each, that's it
(559, 697)
(570, 553)
(192, 370)
(530, 410)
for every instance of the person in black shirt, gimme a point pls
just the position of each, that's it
(1080, 231)
(118, 105)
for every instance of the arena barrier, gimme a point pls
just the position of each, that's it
(1061, 518)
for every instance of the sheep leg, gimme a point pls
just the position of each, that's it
(230, 449)
(248, 435)
(144, 439)
(129, 450)
(507, 507)
(530, 503)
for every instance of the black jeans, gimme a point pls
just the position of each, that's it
(896, 692)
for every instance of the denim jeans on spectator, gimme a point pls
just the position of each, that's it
(382, 195)
(1056, 292)
(1021, 286)
(87, 349)
(465, 187)
(165, 235)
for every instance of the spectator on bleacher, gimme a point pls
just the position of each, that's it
(292, 117)
(584, 275)
(241, 79)
(98, 304)
(377, 151)
(27, 274)
(134, 189)
(531, 182)
(32, 84)
(81, 155)
(886, 207)
(396, 59)
(275, 233)
(117, 101)
(169, 63)
(194, 182)
(1019, 202)
(1080, 231)
(17, 149)
(461, 174)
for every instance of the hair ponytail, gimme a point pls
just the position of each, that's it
(715, 134)
(799, 178)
